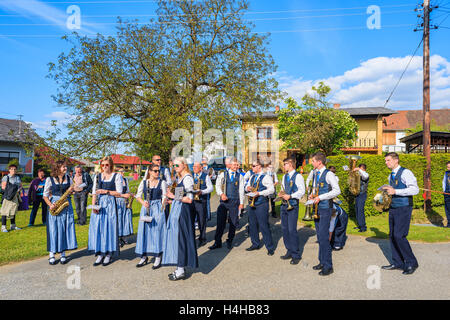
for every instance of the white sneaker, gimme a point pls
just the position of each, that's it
(196, 226)
(15, 228)
(4, 229)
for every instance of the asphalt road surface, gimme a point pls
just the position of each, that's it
(238, 274)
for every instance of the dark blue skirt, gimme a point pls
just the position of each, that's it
(179, 238)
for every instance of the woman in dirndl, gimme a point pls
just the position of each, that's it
(103, 227)
(152, 195)
(179, 237)
(61, 227)
(125, 214)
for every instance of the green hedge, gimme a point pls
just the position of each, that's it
(378, 173)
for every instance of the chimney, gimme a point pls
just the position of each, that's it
(277, 108)
(336, 105)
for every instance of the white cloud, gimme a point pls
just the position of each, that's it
(61, 118)
(370, 84)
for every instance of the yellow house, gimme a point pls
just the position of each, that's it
(267, 147)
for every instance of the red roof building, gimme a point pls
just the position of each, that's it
(133, 163)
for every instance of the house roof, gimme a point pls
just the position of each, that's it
(119, 159)
(406, 119)
(417, 137)
(15, 131)
(372, 112)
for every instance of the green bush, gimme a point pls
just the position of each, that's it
(26, 179)
(378, 173)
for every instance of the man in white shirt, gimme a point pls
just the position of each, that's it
(212, 176)
(403, 186)
(270, 171)
(360, 199)
(325, 181)
(258, 214)
(294, 188)
(230, 189)
(202, 180)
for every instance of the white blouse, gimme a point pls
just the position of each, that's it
(118, 182)
(140, 190)
(48, 185)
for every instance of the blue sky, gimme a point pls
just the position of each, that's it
(310, 41)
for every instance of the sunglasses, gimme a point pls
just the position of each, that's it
(176, 165)
(157, 159)
(156, 170)
(105, 165)
(255, 165)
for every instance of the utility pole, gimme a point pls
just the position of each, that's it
(426, 104)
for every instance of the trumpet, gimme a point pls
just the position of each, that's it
(254, 189)
(280, 197)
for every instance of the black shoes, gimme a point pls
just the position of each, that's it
(98, 263)
(362, 230)
(139, 265)
(66, 260)
(52, 262)
(201, 243)
(174, 277)
(252, 248)
(295, 261)
(409, 270)
(156, 267)
(337, 248)
(229, 245)
(270, 252)
(107, 263)
(285, 257)
(215, 246)
(318, 267)
(326, 272)
(390, 267)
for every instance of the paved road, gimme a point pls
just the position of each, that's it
(238, 274)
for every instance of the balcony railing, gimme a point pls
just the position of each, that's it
(363, 143)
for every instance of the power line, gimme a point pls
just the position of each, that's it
(403, 73)
(255, 32)
(207, 21)
(250, 12)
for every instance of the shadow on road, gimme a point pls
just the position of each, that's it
(383, 244)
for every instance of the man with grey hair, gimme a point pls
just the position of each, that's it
(83, 185)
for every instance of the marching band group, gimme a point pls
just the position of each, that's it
(173, 200)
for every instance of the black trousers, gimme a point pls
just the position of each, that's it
(201, 212)
(36, 203)
(231, 208)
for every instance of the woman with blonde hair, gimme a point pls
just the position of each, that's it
(103, 233)
(152, 195)
(179, 237)
(60, 228)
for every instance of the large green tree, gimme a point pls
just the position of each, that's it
(199, 60)
(315, 126)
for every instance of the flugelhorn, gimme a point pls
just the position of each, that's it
(280, 197)
(254, 189)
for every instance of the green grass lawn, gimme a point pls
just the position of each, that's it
(31, 242)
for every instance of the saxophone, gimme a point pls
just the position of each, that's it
(61, 203)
